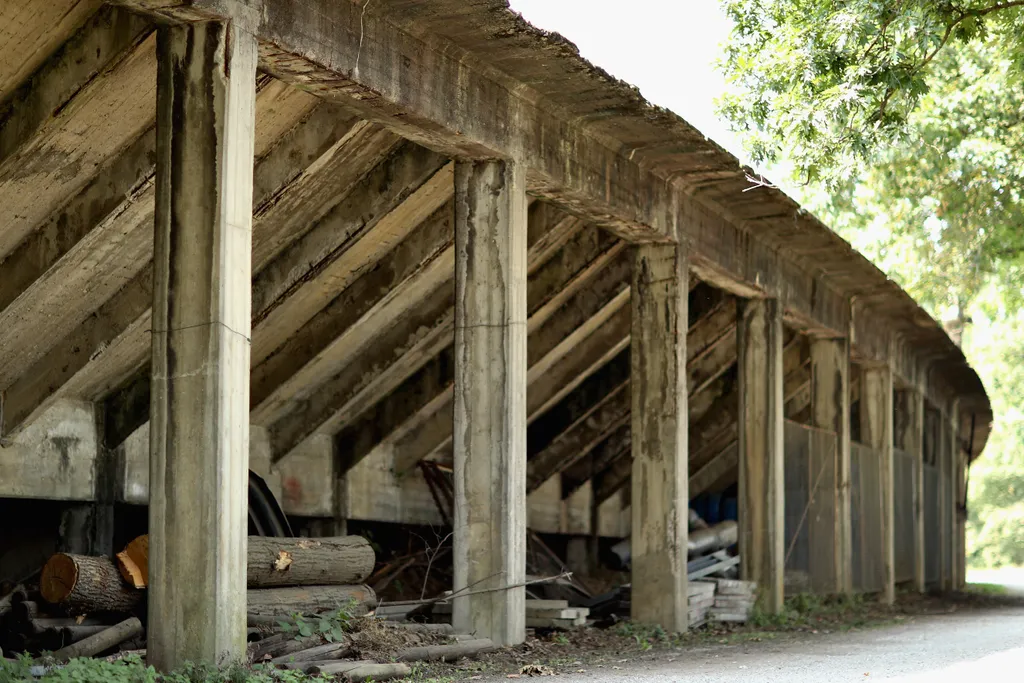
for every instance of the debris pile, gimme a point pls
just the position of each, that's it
(700, 597)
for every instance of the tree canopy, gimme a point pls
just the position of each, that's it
(903, 124)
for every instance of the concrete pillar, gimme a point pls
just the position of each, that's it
(876, 428)
(830, 409)
(199, 427)
(761, 475)
(660, 476)
(911, 403)
(490, 399)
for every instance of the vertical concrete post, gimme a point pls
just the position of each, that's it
(761, 463)
(199, 420)
(876, 425)
(830, 409)
(490, 399)
(660, 488)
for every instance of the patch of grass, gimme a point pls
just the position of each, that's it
(986, 589)
(645, 635)
(132, 669)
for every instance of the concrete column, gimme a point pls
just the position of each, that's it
(830, 409)
(490, 399)
(876, 425)
(761, 475)
(199, 426)
(660, 481)
(912, 404)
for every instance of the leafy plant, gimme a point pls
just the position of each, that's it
(332, 625)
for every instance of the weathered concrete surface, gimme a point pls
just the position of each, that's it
(910, 408)
(876, 431)
(199, 430)
(830, 410)
(490, 399)
(660, 294)
(54, 457)
(761, 480)
(307, 478)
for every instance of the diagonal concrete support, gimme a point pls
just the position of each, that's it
(830, 410)
(660, 294)
(761, 505)
(490, 399)
(876, 430)
(199, 431)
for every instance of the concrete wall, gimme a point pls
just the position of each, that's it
(54, 457)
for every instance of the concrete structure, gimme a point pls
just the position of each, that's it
(431, 231)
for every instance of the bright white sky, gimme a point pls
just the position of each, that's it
(665, 47)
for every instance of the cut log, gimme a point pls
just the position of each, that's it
(317, 653)
(87, 584)
(311, 600)
(314, 666)
(377, 672)
(446, 653)
(340, 561)
(273, 562)
(133, 562)
(104, 640)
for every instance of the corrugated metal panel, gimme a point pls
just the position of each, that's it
(869, 573)
(904, 532)
(931, 524)
(809, 509)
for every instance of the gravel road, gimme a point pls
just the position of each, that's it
(969, 646)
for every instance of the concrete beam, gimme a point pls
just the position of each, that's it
(579, 439)
(362, 56)
(489, 535)
(876, 430)
(199, 456)
(761, 480)
(613, 479)
(616, 445)
(355, 318)
(660, 420)
(551, 378)
(830, 410)
(109, 346)
(60, 119)
(409, 341)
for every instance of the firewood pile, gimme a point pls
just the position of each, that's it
(308, 610)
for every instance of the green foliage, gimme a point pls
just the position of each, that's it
(132, 669)
(827, 84)
(645, 635)
(331, 625)
(903, 121)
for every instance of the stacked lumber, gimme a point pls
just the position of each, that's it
(543, 614)
(700, 597)
(734, 600)
(555, 614)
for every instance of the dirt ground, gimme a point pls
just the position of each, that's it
(813, 641)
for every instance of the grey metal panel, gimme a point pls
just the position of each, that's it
(869, 520)
(809, 509)
(904, 532)
(931, 524)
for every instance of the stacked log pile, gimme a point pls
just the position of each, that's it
(79, 598)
